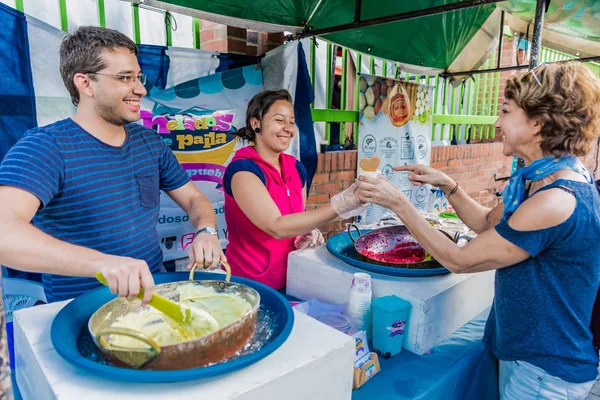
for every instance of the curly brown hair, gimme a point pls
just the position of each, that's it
(566, 101)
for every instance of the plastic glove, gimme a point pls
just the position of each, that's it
(312, 239)
(346, 204)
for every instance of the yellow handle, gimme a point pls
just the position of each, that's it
(101, 278)
(224, 264)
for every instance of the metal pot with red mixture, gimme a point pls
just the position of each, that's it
(392, 246)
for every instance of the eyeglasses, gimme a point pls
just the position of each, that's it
(534, 75)
(126, 79)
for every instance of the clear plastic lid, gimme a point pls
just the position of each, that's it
(334, 320)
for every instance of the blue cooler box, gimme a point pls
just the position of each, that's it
(390, 323)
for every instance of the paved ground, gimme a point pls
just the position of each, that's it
(595, 393)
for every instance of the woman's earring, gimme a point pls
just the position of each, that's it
(256, 130)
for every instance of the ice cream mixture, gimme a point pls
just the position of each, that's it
(225, 308)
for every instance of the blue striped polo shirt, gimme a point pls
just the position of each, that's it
(94, 195)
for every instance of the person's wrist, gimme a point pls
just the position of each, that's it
(99, 261)
(399, 203)
(209, 230)
(448, 185)
(451, 190)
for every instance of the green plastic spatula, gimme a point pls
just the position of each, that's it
(203, 322)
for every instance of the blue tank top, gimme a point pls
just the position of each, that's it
(543, 306)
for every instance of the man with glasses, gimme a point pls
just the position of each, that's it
(91, 183)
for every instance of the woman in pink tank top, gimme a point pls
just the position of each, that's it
(265, 195)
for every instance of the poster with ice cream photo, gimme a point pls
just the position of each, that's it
(394, 129)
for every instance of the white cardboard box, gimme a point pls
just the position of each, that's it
(315, 362)
(440, 304)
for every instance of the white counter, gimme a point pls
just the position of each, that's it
(315, 362)
(440, 304)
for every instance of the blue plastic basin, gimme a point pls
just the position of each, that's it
(74, 316)
(342, 247)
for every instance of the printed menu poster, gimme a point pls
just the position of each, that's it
(395, 125)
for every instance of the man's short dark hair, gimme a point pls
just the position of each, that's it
(81, 52)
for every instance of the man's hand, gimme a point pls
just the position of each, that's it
(206, 252)
(126, 275)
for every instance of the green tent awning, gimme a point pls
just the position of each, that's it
(424, 44)
(431, 42)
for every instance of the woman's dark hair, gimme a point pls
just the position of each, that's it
(258, 106)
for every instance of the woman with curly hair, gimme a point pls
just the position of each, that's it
(542, 241)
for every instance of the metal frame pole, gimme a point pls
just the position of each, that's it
(538, 27)
(536, 45)
(500, 41)
(308, 32)
(512, 68)
(313, 54)
(357, 6)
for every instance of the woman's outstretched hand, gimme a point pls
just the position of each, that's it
(346, 204)
(422, 174)
(379, 191)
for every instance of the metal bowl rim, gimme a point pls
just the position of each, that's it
(253, 310)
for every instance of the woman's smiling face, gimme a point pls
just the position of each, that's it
(278, 127)
(519, 132)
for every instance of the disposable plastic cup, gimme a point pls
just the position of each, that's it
(357, 310)
(354, 298)
(361, 283)
(359, 305)
(359, 299)
(373, 174)
(360, 295)
(357, 294)
(360, 290)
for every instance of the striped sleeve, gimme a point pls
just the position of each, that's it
(35, 165)
(172, 175)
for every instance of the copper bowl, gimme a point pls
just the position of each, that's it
(210, 349)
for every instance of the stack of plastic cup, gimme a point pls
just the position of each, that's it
(359, 303)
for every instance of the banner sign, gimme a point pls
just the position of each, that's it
(197, 120)
(395, 125)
